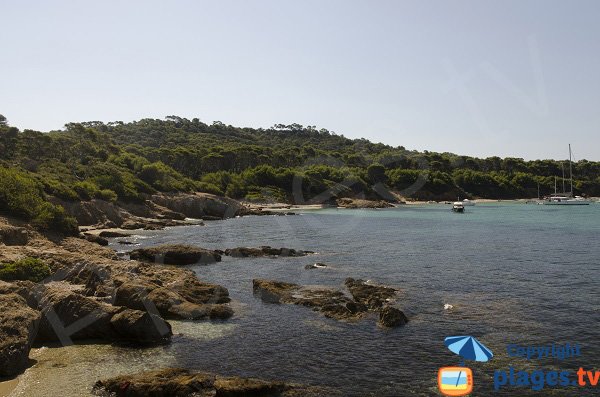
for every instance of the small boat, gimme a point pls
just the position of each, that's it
(458, 207)
(467, 202)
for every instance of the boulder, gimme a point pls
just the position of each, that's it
(140, 327)
(175, 254)
(13, 235)
(190, 299)
(180, 382)
(18, 328)
(112, 233)
(96, 239)
(244, 252)
(392, 317)
(68, 315)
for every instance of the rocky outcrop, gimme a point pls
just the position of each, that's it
(335, 304)
(244, 252)
(175, 254)
(200, 205)
(182, 382)
(12, 235)
(390, 316)
(370, 295)
(96, 239)
(359, 203)
(68, 315)
(18, 328)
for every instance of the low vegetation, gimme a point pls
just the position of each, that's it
(30, 269)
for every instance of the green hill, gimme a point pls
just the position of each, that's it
(292, 163)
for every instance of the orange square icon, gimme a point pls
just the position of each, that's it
(455, 381)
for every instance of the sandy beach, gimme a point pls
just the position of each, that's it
(6, 387)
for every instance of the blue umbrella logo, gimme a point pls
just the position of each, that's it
(468, 348)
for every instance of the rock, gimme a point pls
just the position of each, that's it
(140, 327)
(68, 315)
(12, 235)
(360, 203)
(244, 252)
(96, 239)
(188, 299)
(200, 205)
(18, 328)
(317, 265)
(180, 382)
(111, 233)
(332, 303)
(123, 242)
(373, 296)
(392, 317)
(175, 254)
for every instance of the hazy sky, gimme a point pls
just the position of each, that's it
(509, 78)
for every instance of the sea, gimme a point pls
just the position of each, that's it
(512, 275)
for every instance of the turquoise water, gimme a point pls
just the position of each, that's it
(513, 273)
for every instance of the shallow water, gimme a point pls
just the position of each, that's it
(514, 273)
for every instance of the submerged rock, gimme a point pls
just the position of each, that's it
(18, 328)
(244, 252)
(175, 254)
(333, 303)
(317, 265)
(182, 382)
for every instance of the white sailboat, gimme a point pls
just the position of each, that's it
(565, 198)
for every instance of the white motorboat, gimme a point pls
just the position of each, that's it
(468, 203)
(458, 207)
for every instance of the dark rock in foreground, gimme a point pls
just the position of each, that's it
(181, 382)
(18, 327)
(333, 303)
(244, 252)
(175, 254)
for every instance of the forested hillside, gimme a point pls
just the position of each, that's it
(292, 163)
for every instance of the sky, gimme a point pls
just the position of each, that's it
(515, 78)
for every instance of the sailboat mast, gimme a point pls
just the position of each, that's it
(571, 169)
(562, 165)
(555, 185)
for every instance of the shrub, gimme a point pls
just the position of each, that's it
(22, 196)
(30, 269)
(86, 190)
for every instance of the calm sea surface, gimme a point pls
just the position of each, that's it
(514, 273)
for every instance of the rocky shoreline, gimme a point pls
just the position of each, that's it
(92, 295)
